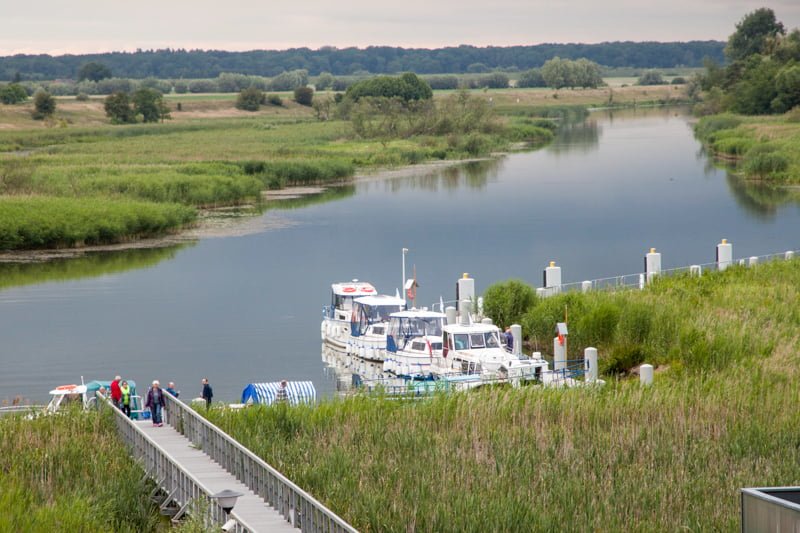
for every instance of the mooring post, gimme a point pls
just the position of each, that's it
(652, 265)
(646, 374)
(590, 364)
(516, 333)
(724, 255)
(552, 279)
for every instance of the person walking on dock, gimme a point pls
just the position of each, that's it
(207, 392)
(116, 394)
(171, 389)
(125, 398)
(509, 339)
(155, 401)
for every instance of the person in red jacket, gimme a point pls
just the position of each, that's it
(116, 392)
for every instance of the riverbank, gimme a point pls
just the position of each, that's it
(622, 457)
(762, 148)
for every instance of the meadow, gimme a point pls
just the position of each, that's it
(764, 148)
(671, 457)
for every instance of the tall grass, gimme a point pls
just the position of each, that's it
(46, 222)
(70, 473)
(620, 458)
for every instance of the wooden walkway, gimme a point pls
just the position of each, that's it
(250, 508)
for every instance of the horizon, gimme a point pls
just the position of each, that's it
(53, 28)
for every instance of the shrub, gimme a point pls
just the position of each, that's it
(622, 358)
(598, 325)
(678, 80)
(508, 301)
(150, 104)
(82, 97)
(118, 107)
(289, 81)
(711, 124)
(180, 86)
(13, 93)
(250, 99)
(275, 100)
(304, 95)
(733, 145)
(44, 105)
(651, 77)
(531, 78)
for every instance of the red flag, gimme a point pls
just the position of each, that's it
(561, 339)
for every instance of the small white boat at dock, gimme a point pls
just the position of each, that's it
(336, 317)
(369, 325)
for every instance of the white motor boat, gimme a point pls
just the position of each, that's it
(336, 317)
(475, 348)
(369, 325)
(414, 343)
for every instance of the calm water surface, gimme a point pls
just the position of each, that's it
(243, 309)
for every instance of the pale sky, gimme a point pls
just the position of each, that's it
(81, 26)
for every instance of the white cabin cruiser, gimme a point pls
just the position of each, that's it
(369, 325)
(414, 343)
(476, 348)
(336, 317)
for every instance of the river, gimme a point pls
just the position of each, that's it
(247, 308)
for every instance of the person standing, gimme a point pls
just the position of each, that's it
(208, 393)
(509, 339)
(171, 389)
(125, 399)
(156, 402)
(282, 395)
(116, 394)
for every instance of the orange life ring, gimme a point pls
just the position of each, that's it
(66, 387)
(367, 289)
(349, 289)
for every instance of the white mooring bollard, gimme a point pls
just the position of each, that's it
(552, 279)
(724, 255)
(586, 286)
(753, 261)
(590, 364)
(695, 270)
(559, 354)
(788, 255)
(652, 265)
(646, 374)
(516, 333)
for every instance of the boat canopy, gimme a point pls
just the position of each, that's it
(381, 299)
(417, 313)
(406, 325)
(353, 288)
(265, 393)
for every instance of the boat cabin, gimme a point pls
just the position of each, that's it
(416, 330)
(370, 313)
(343, 294)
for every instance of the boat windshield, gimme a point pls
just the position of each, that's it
(416, 327)
(466, 341)
(380, 313)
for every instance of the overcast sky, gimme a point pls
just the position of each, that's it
(80, 26)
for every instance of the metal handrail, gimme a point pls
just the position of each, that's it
(179, 483)
(293, 503)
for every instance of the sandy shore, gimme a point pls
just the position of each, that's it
(227, 221)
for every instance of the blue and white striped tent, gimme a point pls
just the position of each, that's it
(296, 391)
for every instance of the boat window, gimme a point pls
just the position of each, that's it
(491, 340)
(436, 345)
(418, 346)
(378, 330)
(461, 341)
(380, 313)
(477, 340)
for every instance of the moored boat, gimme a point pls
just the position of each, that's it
(369, 325)
(336, 317)
(414, 342)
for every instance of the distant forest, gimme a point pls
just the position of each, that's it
(174, 64)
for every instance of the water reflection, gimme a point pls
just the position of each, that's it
(582, 136)
(86, 266)
(305, 200)
(475, 175)
(344, 369)
(759, 200)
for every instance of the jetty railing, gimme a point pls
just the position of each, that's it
(20, 409)
(297, 506)
(180, 485)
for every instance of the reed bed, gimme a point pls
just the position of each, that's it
(51, 222)
(671, 457)
(70, 473)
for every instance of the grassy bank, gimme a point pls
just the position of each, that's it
(48, 222)
(210, 154)
(765, 148)
(666, 458)
(70, 473)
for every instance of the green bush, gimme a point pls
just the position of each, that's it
(82, 97)
(622, 358)
(733, 145)
(714, 123)
(766, 165)
(304, 95)
(597, 327)
(275, 100)
(13, 93)
(44, 105)
(506, 302)
(250, 99)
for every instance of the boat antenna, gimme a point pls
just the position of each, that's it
(403, 284)
(82, 383)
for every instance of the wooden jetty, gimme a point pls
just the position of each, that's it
(190, 459)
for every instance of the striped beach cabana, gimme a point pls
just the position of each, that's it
(265, 393)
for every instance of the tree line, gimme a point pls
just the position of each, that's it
(763, 71)
(192, 64)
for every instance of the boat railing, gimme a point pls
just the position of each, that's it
(182, 487)
(293, 503)
(21, 409)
